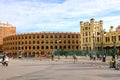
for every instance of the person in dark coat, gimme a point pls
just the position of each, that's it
(75, 58)
(3, 59)
(104, 58)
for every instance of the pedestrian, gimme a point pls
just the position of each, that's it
(100, 57)
(94, 57)
(112, 63)
(104, 58)
(52, 56)
(3, 59)
(75, 58)
(91, 56)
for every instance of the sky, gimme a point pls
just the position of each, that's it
(58, 15)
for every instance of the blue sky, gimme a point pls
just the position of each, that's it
(58, 15)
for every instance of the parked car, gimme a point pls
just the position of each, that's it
(6, 60)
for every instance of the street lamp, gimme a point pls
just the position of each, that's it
(53, 49)
(9, 52)
(114, 49)
(21, 52)
(58, 41)
(86, 49)
(94, 48)
(93, 44)
(73, 47)
(102, 33)
(52, 55)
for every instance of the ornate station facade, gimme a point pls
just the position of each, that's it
(95, 39)
(112, 41)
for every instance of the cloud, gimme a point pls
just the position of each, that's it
(57, 15)
(111, 21)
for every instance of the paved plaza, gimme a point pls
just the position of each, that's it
(63, 69)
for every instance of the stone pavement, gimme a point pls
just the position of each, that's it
(18, 67)
(63, 69)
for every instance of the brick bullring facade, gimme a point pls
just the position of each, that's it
(41, 43)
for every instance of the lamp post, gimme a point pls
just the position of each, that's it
(102, 33)
(52, 55)
(114, 48)
(94, 49)
(58, 41)
(21, 52)
(9, 52)
(86, 49)
(93, 44)
(73, 47)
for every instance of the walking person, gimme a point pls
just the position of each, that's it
(91, 57)
(112, 63)
(75, 58)
(104, 58)
(94, 57)
(52, 57)
(5, 60)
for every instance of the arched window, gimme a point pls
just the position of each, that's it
(33, 47)
(38, 42)
(29, 42)
(29, 47)
(38, 47)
